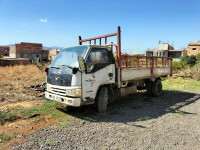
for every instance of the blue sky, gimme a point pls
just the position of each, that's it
(60, 22)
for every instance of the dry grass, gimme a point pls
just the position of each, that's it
(192, 72)
(22, 108)
(14, 81)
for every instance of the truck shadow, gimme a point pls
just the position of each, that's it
(137, 107)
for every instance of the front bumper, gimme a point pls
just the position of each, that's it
(76, 102)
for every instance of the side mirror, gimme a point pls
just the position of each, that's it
(74, 70)
(81, 63)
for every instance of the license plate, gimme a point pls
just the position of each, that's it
(56, 98)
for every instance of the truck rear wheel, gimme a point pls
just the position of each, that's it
(102, 99)
(157, 88)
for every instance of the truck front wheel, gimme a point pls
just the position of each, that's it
(102, 99)
(157, 88)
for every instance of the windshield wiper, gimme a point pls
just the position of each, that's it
(55, 67)
(74, 69)
(68, 66)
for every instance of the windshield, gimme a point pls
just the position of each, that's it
(69, 57)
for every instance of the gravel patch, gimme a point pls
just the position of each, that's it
(171, 121)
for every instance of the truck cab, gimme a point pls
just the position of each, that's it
(68, 84)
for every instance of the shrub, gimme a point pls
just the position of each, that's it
(177, 65)
(196, 72)
(140, 55)
(192, 60)
(198, 58)
(184, 60)
(188, 60)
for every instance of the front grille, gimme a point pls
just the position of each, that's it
(58, 91)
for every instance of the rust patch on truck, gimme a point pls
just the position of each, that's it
(93, 75)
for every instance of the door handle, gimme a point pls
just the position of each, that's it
(110, 74)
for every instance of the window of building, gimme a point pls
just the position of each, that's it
(194, 48)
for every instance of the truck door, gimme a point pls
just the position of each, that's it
(100, 70)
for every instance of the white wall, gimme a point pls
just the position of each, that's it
(12, 52)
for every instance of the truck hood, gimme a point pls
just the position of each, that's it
(60, 76)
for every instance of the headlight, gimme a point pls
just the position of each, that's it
(48, 88)
(74, 92)
(78, 92)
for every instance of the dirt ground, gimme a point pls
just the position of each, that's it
(171, 121)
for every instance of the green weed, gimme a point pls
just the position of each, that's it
(182, 114)
(65, 123)
(181, 84)
(7, 116)
(5, 137)
(48, 107)
(48, 141)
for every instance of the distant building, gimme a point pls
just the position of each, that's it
(134, 54)
(50, 54)
(166, 50)
(194, 48)
(165, 46)
(33, 51)
(4, 51)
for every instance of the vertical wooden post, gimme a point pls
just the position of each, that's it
(126, 61)
(119, 46)
(146, 62)
(79, 39)
(171, 67)
(152, 66)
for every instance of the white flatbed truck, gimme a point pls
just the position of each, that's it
(91, 74)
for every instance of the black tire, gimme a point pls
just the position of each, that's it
(102, 99)
(149, 87)
(157, 88)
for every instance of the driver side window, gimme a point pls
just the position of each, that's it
(97, 59)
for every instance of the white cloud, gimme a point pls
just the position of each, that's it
(44, 20)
